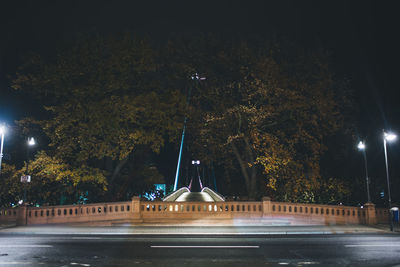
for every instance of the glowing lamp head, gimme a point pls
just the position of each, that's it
(196, 162)
(31, 141)
(389, 136)
(2, 129)
(361, 145)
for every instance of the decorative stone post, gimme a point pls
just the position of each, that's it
(266, 206)
(136, 212)
(22, 215)
(370, 213)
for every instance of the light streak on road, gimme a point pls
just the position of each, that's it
(205, 246)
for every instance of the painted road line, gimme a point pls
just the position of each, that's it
(15, 263)
(26, 246)
(87, 238)
(372, 245)
(205, 246)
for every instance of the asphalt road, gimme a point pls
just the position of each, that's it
(29, 249)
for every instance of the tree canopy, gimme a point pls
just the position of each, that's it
(266, 112)
(263, 113)
(103, 98)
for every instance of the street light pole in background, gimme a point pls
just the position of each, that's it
(26, 179)
(361, 147)
(388, 137)
(2, 132)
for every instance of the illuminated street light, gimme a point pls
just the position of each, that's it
(2, 132)
(388, 137)
(27, 178)
(361, 147)
(31, 141)
(197, 163)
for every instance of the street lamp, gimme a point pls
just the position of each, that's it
(197, 163)
(26, 178)
(361, 146)
(388, 137)
(31, 141)
(2, 132)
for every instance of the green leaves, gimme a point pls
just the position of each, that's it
(50, 179)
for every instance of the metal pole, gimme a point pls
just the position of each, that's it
(198, 176)
(1, 149)
(27, 167)
(179, 157)
(366, 175)
(388, 184)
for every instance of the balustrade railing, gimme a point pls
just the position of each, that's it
(147, 210)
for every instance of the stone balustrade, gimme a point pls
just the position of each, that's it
(148, 211)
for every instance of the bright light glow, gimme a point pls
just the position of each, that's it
(390, 136)
(2, 129)
(361, 146)
(196, 162)
(31, 141)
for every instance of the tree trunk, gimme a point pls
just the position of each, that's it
(242, 165)
(249, 173)
(253, 170)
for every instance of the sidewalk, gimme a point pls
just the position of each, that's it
(386, 227)
(192, 230)
(7, 225)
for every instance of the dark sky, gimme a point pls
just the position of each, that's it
(362, 35)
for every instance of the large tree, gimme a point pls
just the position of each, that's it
(103, 97)
(266, 109)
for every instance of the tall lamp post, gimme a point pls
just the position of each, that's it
(388, 137)
(26, 178)
(361, 147)
(197, 163)
(2, 132)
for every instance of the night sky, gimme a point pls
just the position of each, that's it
(363, 37)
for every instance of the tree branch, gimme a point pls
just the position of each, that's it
(118, 169)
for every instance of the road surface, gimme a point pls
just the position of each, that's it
(213, 248)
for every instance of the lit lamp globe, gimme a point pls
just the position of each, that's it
(31, 141)
(390, 137)
(361, 145)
